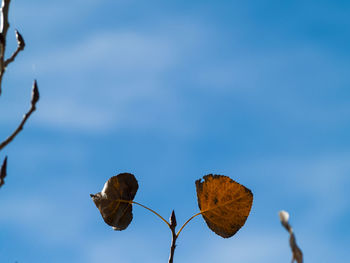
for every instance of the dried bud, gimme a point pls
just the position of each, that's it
(284, 216)
(35, 93)
(20, 40)
(3, 171)
(173, 222)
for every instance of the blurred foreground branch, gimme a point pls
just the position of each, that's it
(297, 253)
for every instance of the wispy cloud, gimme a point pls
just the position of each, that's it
(127, 69)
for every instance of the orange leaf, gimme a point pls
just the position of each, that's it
(224, 203)
(113, 203)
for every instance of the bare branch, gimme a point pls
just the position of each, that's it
(4, 12)
(5, 15)
(34, 100)
(4, 28)
(3, 172)
(20, 46)
(297, 253)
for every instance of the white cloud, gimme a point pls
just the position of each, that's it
(48, 16)
(70, 115)
(41, 218)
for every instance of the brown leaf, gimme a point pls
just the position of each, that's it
(224, 203)
(113, 203)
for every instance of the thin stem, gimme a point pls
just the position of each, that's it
(149, 209)
(12, 58)
(199, 213)
(20, 46)
(173, 245)
(35, 98)
(173, 224)
(154, 212)
(19, 128)
(178, 233)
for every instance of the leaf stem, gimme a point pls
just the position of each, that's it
(154, 212)
(178, 233)
(149, 209)
(199, 213)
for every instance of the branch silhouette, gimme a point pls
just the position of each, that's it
(5, 5)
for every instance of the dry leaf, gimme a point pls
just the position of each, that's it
(116, 213)
(224, 203)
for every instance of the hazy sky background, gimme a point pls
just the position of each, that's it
(170, 91)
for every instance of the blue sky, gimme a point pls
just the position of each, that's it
(171, 91)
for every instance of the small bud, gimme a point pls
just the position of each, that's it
(173, 222)
(35, 93)
(3, 171)
(20, 40)
(284, 216)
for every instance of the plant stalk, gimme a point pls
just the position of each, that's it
(174, 236)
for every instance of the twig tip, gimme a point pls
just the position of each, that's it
(35, 93)
(3, 171)
(284, 216)
(20, 40)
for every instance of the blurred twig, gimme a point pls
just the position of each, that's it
(297, 253)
